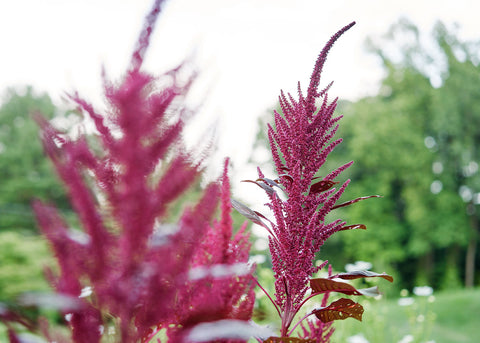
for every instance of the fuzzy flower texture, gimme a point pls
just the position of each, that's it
(127, 274)
(300, 141)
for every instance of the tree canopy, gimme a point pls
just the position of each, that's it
(25, 172)
(415, 144)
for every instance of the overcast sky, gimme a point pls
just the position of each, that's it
(247, 50)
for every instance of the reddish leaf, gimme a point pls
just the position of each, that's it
(289, 340)
(248, 213)
(322, 285)
(12, 336)
(263, 217)
(362, 274)
(285, 176)
(339, 310)
(322, 186)
(270, 182)
(353, 227)
(263, 186)
(355, 200)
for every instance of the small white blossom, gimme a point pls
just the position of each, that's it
(405, 301)
(406, 339)
(423, 291)
(357, 339)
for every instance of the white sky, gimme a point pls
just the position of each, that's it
(247, 49)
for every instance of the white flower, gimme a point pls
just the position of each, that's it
(357, 339)
(405, 301)
(423, 291)
(406, 339)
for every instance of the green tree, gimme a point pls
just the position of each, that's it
(24, 170)
(415, 145)
(456, 132)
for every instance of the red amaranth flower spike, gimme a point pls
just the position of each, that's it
(300, 141)
(220, 285)
(126, 266)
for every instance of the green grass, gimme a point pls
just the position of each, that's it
(452, 317)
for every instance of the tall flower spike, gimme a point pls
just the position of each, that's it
(220, 287)
(300, 142)
(136, 266)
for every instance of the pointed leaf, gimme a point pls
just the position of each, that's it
(289, 340)
(263, 217)
(339, 310)
(355, 200)
(286, 176)
(370, 292)
(270, 182)
(322, 285)
(353, 227)
(263, 186)
(362, 274)
(248, 213)
(322, 186)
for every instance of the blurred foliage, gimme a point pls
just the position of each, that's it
(25, 172)
(444, 318)
(416, 145)
(22, 261)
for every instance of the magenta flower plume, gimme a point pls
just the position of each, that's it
(220, 283)
(300, 142)
(127, 267)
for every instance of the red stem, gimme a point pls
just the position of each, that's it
(268, 295)
(298, 323)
